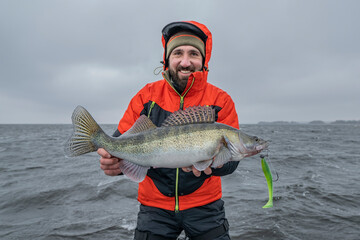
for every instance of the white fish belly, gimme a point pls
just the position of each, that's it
(170, 157)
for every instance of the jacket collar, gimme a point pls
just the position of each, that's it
(197, 82)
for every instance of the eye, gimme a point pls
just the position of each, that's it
(195, 54)
(176, 53)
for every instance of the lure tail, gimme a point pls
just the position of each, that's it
(269, 181)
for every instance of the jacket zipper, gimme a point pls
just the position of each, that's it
(181, 102)
(177, 190)
(178, 169)
(182, 97)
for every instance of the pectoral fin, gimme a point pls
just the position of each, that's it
(202, 165)
(222, 157)
(234, 151)
(133, 171)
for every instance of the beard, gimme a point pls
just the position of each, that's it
(178, 82)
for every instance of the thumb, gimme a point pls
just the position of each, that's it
(103, 153)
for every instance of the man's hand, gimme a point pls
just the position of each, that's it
(109, 164)
(196, 172)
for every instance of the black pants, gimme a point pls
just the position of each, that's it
(155, 223)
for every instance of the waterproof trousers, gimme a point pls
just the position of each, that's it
(205, 222)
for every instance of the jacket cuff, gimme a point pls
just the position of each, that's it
(228, 168)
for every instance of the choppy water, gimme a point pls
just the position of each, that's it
(44, 195)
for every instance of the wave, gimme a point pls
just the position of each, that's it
(120, 187)
(38, 200)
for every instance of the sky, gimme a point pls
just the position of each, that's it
(280, 60)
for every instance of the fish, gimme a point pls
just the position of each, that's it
(186, 138)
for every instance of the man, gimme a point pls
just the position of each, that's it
(173, 200)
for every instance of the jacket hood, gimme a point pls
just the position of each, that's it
(197, 28)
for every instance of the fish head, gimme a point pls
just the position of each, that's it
(251, 145)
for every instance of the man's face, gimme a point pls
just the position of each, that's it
(183, 61)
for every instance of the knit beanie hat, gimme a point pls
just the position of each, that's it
(184, 38)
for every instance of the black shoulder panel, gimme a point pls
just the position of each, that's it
(116, 133)
(156, 114)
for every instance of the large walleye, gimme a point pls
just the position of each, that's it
(187, 137)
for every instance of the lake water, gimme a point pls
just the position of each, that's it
(44, 195)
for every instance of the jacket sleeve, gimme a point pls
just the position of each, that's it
(132, 112)
(227, 115)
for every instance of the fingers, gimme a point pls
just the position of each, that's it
(109, 161)
(208, 171)
(196, 172)
(115, 172)
(103, 153)
(109, 164)
(187, 169)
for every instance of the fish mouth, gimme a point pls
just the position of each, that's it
(262, 146)
(257, 149)
(252, 146)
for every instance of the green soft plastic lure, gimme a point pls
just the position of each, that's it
(269, 180)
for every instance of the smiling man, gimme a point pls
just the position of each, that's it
(186, 199)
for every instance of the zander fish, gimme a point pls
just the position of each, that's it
(187, 137)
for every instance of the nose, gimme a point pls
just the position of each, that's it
(185, 61)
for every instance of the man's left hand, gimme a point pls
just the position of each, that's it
(196, 172)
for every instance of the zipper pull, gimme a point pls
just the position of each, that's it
(181, 102)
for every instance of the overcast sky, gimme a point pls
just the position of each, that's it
(279, 60)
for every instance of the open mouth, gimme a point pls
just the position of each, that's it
(186, 70)
(261, 147)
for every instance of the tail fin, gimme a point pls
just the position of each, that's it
(85, 128)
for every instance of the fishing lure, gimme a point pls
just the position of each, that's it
(269, 180)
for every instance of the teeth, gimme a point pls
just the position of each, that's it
(185, 71)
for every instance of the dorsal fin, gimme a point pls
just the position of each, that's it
(143, 123)
(198, 114)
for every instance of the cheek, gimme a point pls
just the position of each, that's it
(173, 63)
(198, 65)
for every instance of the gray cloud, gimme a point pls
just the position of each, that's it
(279, 60)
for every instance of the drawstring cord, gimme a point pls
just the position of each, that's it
(158, 70)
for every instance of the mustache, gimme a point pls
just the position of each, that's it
(190, 68)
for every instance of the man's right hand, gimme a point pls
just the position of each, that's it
(109, 164)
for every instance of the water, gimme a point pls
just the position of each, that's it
(44, 195)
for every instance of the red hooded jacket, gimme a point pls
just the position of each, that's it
(174, 189)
